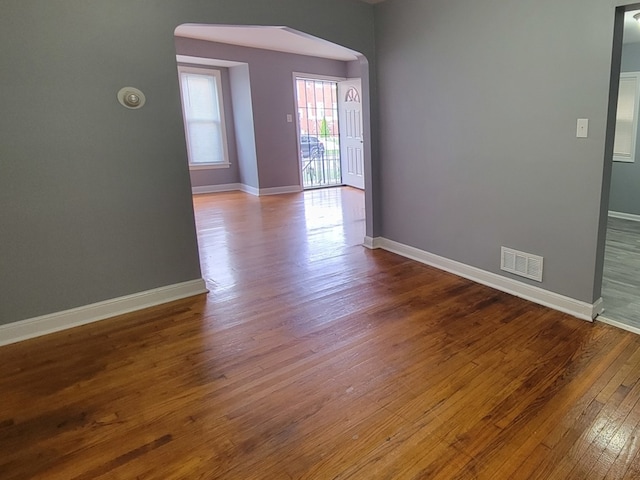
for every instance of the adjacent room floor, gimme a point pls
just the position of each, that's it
(621, 278)
(315, 358)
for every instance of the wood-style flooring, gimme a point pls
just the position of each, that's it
(621, 277)
(314, 358)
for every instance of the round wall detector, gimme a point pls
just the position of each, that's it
(131, 97)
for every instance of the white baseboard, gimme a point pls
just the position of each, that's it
(280, 190)
(371, 242)
(620, 325)
(230, 187)
(598, 308)
(577, 308)
(624, 216)
(54, 322)
(248, 189)
(227, 187)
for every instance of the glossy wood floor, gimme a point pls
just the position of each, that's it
(314, 358)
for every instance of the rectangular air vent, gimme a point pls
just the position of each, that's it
(520, 263)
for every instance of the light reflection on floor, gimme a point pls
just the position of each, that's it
(236, 229)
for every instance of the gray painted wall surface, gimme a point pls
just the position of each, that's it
(625, 177)
(243, 118)
(95, 199)
(273, 94)
(478, 109)
(221, 176)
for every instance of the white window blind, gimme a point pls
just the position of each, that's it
(203, 117)
(624, 144)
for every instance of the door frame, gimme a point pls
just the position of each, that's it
(620, 6)
(310, 76)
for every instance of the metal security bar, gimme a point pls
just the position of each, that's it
(319, 132)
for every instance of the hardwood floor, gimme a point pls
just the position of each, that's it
(621, 277)
(314, 358)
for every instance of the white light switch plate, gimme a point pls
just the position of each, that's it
(583, 128)
(289, 118)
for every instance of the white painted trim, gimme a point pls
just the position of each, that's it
(279, 190)
(227, 187)
(297, 125)
(371, 243)
(618, 324)
(624, 216)
(209, 166)
(54, 322)
(635, 76)
(314, 76)
(217, 80)
(299, 133)
(598, 307)
(249, 189)
(207, 62)
(230, 187)
(577, 308)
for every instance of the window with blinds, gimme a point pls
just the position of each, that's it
(203, 117)
(624, 145)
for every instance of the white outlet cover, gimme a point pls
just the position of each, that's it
(583, 128)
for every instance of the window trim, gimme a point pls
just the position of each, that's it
(217, 77)
(636, 110)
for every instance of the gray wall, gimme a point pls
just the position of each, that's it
(243, 117)
(478, 147)
(273, 94)
(95, 199)
(625, 177)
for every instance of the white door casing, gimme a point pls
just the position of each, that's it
(351, 137)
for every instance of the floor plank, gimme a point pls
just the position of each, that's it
(314, 358)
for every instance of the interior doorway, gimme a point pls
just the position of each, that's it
(621, 265)
(267, 140)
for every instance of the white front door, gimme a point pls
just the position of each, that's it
(351, 140)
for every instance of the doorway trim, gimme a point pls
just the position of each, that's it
(311, 76)
(620, 6)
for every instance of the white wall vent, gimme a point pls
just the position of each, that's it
(520, 263)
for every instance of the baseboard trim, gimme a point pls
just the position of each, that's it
(624, 216)
(618, 324)
(280, 190)
(227, 187)
(250, 190)
(372, 243)
(577, 308)
(55, 322)
(598, 308)
(258, 192)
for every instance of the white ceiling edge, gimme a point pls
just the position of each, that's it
(280, 39)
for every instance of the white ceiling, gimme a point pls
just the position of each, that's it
(631, 28)
(281, 39)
